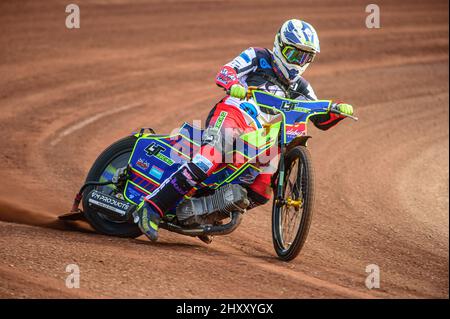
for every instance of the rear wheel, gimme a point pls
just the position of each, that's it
(106, 165)
(292, 214)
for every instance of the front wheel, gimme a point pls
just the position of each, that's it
(292, 212)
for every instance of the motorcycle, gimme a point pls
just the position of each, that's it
(136, 165)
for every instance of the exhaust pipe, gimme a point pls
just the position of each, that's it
(236, 218)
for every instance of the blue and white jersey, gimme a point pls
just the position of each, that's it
(255, 67)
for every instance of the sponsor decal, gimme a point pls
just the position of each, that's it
(295, 133)
(156, 172)
(142, 164)
(302, 109)
(189, 177)
(109, 202)
(133, 194)
(187, 174)
(288, 106)
(226, 77)
(156, 151)
(298, 130)
(177, 187)
(224, 81)
(165, 159)
(202, 162)
(220, 120)
(247, 178)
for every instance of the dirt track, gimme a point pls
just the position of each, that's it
(382, 192)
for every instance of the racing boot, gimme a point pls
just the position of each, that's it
(149, 213)
(148, 218)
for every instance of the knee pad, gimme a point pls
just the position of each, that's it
(187, 176)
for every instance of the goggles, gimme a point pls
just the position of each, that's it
(296, 56)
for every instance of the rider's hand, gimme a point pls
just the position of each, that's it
(344, 108)
(238, 91)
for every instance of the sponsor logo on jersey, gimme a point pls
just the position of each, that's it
(264, 64)
(220, 120)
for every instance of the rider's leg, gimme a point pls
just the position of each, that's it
(209, 158)
(152, 209)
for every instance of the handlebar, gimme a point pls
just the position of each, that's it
(250, 90)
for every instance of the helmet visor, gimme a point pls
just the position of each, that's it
(297, 56)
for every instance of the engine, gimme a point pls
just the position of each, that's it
(213, 208)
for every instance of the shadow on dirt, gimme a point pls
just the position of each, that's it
(169, 245)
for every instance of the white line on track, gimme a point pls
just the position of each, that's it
(78, 126)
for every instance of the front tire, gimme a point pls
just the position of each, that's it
(290, 224)
(114, 157)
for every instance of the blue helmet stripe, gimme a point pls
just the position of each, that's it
(290, 35)
(292, 38)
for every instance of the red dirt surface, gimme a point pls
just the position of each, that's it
(382, 183)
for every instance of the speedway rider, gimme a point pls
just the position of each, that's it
(278, 72)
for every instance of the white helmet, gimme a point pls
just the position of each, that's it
(295, 47)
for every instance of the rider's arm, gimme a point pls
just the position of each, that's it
(302, 90)
(241, 65)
